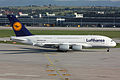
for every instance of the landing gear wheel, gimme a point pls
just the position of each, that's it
(59, 50)
(108, 50)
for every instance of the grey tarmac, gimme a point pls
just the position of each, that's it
(25, 62)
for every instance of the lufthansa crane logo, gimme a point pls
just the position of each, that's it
(17, 26)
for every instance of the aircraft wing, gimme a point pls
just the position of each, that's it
(57, 44)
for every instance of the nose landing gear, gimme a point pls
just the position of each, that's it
(108, 50)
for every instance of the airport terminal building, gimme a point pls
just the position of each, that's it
(77, 20)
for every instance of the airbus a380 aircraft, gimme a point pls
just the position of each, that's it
(61, 42)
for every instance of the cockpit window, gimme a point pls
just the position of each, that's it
(111, 40)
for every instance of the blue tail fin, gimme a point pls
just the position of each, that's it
(18, 27)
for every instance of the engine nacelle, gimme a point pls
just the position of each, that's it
(64, 47)
(77, 47)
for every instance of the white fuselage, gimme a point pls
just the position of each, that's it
(56, 40)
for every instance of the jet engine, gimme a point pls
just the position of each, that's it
(63, 47)
(77, 47)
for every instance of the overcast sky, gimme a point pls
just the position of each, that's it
(61, 2)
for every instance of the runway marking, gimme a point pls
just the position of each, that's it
(50, 70)
(49, 59)
(52, 74)
(49, 65)
(58, 73)
(58, 70)
(63, 70)
(66, 74)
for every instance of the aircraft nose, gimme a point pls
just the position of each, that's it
(114, 44)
